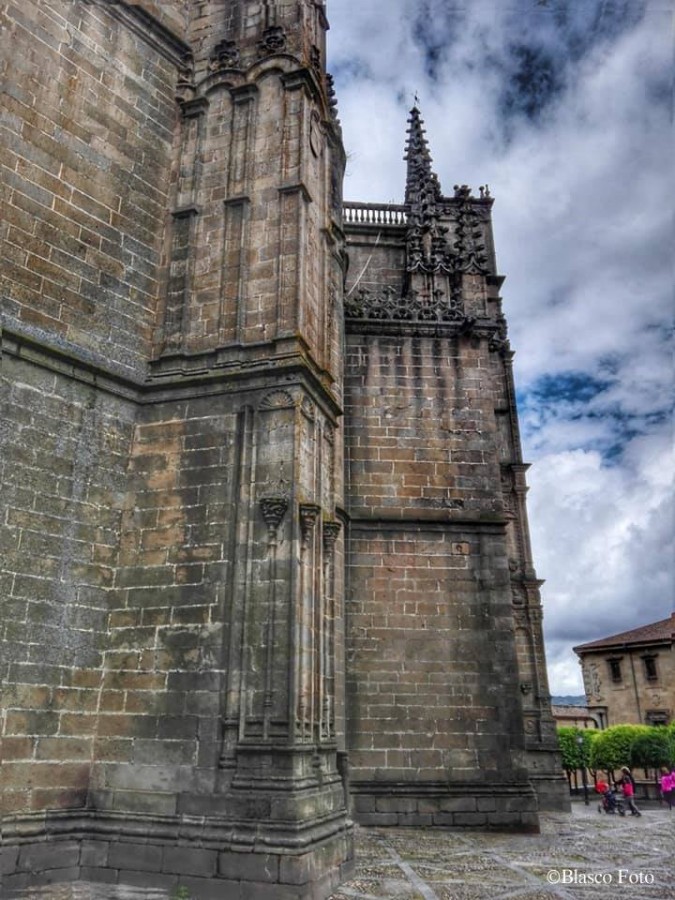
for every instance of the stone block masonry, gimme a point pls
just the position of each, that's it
(65, 455)
(86, 155)
(172, 519)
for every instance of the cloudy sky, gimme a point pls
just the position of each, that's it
(564, 107)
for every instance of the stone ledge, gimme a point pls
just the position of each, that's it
(485, 805)
(232, 369)
(207, 873)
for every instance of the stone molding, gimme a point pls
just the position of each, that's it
(149, 29)
(179, 376)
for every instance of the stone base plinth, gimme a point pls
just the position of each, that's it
(553, 793)
(498, 806)
(209, 858)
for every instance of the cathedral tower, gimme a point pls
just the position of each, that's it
(448, 706)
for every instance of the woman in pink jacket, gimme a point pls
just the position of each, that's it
(668, 786)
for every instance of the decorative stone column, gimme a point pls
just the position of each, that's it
(331, 531)
(308, 637)
(273, 511)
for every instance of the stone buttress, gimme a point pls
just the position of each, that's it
(206, 731)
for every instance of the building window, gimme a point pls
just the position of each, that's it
(657, 717)
(651, 673)
(615, 669)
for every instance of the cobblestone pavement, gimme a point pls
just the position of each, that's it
(585, 856)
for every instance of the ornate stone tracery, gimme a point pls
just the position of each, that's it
(388, 305)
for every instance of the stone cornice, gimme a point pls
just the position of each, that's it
(149, 29)
(184, 376)
(428, 522)
(68, 361)
(463, 327)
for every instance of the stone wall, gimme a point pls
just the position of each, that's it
(65, 449)
(428, 605)
(90, 122)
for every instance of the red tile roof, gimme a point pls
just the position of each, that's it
(570, 712)
(646, 634)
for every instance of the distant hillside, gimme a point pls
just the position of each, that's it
(569, 701)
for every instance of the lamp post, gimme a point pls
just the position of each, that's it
(580, 742)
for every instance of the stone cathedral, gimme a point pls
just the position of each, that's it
(267, 569)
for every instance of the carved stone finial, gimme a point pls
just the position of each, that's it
(427, 247)
(273, 510)
(470, 251)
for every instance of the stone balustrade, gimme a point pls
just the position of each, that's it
(375, 214)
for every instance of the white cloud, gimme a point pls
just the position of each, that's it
(604, 541)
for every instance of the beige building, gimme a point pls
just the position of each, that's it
(630, 677)
(575, 717)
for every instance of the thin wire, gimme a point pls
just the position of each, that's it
(363, 270)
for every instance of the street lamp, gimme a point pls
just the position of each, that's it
(580, 742)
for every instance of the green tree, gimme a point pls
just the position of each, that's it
(654, 750)
(613, 747)
(576, 754)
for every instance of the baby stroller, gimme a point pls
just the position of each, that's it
(610, 802)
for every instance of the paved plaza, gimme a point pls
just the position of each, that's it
(585, 855)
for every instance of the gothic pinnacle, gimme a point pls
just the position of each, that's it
(422, 184)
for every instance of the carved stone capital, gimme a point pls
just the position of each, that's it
(331, 530)
(309, 513)
(273, 510)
